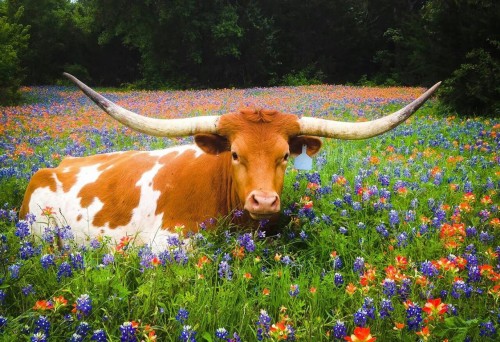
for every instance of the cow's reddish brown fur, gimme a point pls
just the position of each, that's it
(192, 189)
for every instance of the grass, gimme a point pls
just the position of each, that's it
(398, 234)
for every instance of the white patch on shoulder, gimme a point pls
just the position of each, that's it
(178, 149)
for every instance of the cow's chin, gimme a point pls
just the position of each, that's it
(260, 216)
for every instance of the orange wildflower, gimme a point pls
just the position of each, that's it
(247, 276)
(424, 333)
(398, 326)
(401, 262)
(350, 289)
(360, 335)
(239, 253)
(43, 305)
(266, 292)
(202, 261)
(312, 290)
(434, 308)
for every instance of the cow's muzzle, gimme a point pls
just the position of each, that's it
(262, 205)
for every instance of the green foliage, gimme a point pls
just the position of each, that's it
(474, 88)
(13, 44)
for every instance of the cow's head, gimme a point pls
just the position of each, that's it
(258, 142)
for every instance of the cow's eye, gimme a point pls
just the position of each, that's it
(235, 156)
(285, 158)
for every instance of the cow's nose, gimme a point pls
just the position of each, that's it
(263, 203)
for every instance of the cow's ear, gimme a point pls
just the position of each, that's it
(211, 143)
(313, 144)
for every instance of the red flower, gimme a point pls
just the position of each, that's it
(434, 308)
(43, 305)
(360, 335)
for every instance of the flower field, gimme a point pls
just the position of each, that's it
(395, 238)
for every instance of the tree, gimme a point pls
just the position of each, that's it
(13, 42)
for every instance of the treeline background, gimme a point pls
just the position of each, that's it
(227, 43)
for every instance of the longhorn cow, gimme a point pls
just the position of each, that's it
(238, 162)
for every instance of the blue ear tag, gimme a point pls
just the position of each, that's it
(303, 161)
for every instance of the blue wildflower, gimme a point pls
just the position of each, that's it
(39, 337)
(27, 251)
(14, 270)
(294, 290)
(99, 336)
(22, 229)
(187, 334)
(359, 265)
(221, 333)
(487, 329)
(182, 315)
(339, 330)
(28, 289)
(338, 280)
(83, 329)
(414, 317)
(84, 304)
(360, 317)
(128, 332)
(386, 308)
(47, 260)
(42, 325)
(225, 270)
(246, 241)
(108, 259)
(76, 338)
(64, 270)
(389, 287)
(393, 218)
(3, 323)
(76, 260)
(428, 269)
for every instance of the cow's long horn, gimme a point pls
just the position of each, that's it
(362, 130)
(150, 126)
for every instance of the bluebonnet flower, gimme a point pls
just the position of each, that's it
(402, 239)
(470, 231)
(337, 202)
(339, 330)
(39, 337)
(337, 263)
(428, 269)
(303, 235)
(485, 237)
(360, 317)
(264, 324)
(393, 218)
(3, 323)
(48, 235)
(389, 287)
(460, 287)
(14, 270)
(359, 265)
(386, 308)
(474, 273)
(327, 219)
(99, 336)
(22, 229)
(2, 296)
(27, 250)
(413, 316)
(108, 259)
(83, 329)
(47, 260)
(28, 289)
(338, 280)
(356, 206)
(246, 241)
(404, 289)
(348, 199)
(76, 338)
(369, 307)
(225, 270)
(187, 334)
(76, 260)
(42, 325)
(221, 333)
(64, 270)
(286, 260)
(65, 233)
(182, 315)
(84, 304)
(294, 290)
(487, 329)
(382, 230)
(95, 243)
(128, 332)
(343, 230)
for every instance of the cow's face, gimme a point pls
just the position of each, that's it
(259, 149)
